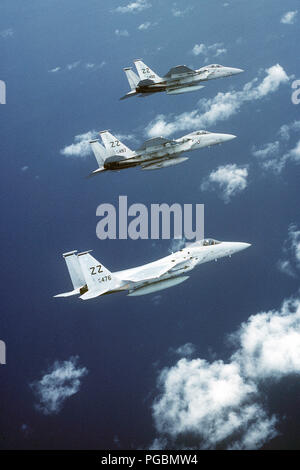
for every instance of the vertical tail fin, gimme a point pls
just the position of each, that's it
(97, 277)
(75, 272)
(145, 73)
(114, 146)
(99, 152)
(132, 78)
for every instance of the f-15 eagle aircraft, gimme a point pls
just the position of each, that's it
(91, 279)
(179, 79)
(155, 153)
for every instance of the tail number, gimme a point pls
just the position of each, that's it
(115, 143)
(96, 269)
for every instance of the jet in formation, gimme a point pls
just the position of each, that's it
(179, 79)
(91, 279)
(155, 153)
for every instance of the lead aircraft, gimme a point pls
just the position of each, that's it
(179, 79)
(91, 279)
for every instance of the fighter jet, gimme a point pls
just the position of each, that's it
(155, 153)
(91, 279)
(179, 79)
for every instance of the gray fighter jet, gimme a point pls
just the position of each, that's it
(155, 153)
(91, 279)
(179, 79)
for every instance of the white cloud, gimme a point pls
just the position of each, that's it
(7, 33)
(81, 146)
(269, 343)
(24, 168)
(219, 404)
(180, 13)
(219, 108)
(268, 156)
(215, 50)
(144, 26)
(286, 129)
(73, 65)
(134, 7)
(62, 381)
(121, 32)
(229, 180)
(185, 350)
(212, 403)
(290, 263)
(274, 155)
(56, 69)
(289, 17)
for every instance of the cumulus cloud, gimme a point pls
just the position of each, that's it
(134, 7)
(219, 108)
(285, 130)
(121, 32)
(185, 350)
(289, 17)
(269, 343)
(75, 65)
(274, 155)
(81, 146)
(219, 404)
(61, 381)
(178, 13)
(144, 26)
(215, 50)
(229, 180)
(55, 69)
(290, 262)
(209, 404)
(7, 33)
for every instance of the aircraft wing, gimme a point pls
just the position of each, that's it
(149, 271)
(156, 142)
(178, 70)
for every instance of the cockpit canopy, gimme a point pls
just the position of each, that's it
(201, 132)
(209, 242)
(215, 66)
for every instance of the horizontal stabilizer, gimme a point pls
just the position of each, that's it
(95, 172)
(129, 95)
(68, 294)
(92, 294)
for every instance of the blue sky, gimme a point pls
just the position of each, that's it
(62, 63)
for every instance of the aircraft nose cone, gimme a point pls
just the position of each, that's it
(242, 246)
(236, 71)
(227, 137)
